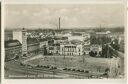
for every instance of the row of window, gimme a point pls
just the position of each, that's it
(70, 49)
(70, 54)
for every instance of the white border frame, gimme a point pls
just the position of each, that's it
(55, 81)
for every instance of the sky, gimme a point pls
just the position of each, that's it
(72, 15)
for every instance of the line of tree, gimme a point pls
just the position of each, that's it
(93, 54)
(108, 50)
(99, 40)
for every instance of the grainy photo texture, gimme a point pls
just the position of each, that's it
(64, 41)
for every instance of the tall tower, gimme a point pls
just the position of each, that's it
(59, 23)
(24, 42)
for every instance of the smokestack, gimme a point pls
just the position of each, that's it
(59, 23)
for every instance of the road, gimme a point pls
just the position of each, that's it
(18, 71)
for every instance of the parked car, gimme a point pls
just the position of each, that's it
(81, 70)
(65, 69)
(86, 71)
(73, 69)
(78, 70)
(69, 69)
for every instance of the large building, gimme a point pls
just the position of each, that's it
(100, 38)
(33, 46)
(86, 49)
(76, 36)
(80, 38)
(17, 35)
(60, 39)
(8, 35)
(96, 48)
(13, 48)
(28, 46)
(71, 49)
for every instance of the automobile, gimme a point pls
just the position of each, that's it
(65, 69)
(51, 67)
(105, 74)
(81, 70)
(69, 69)
(86, 71)
(47, 66)
(34, 66)
(54, 67)
(100, 77)
(43, 66)
(38, 66)
(30, 67)
(92, 76)
(78, 70)
(73, 70)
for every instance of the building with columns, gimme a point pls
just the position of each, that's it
(71, 49)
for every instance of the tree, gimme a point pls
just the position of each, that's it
(93, 54)
(115, 44)
(107, 52)
(45, 50)
(100, 53)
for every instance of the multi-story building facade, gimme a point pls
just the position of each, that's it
(28, 46)
(43, 43)
(86, 49)
(8, 35)
(96, 48)
(60, 39)
(33, 46)
(80, 38)
(57, 49)
(71, 49)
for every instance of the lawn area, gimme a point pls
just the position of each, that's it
(77, 62)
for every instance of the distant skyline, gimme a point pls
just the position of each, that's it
(72, 15)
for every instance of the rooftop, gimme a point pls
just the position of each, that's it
(32, 40)
(12, 43)
(72, 42)
(76, 34)
(60, 38)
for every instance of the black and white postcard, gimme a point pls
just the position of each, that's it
(65, 41)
